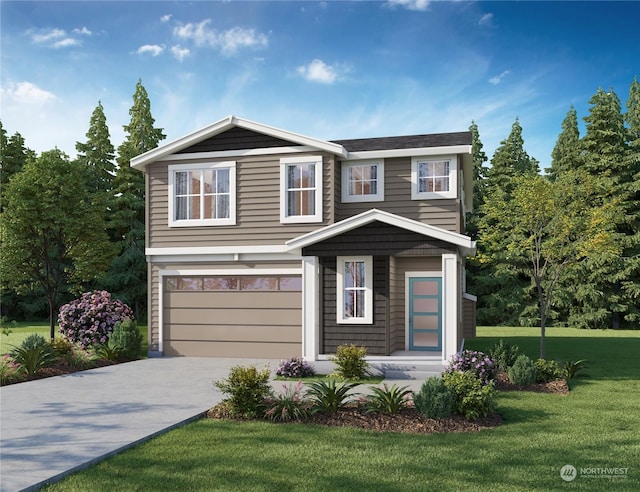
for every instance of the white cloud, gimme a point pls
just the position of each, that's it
(27, 93)
(486, 19)
(151, 49)
(84, 31)
(419, 5)
(66, 42)
(498, 78)
(53, 38)
(229, 41)
(165, 18)
(318, 71)
(179, 53)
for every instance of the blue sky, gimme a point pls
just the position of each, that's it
(331, 70)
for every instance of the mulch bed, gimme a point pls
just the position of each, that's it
(60, 369)
(557, 386)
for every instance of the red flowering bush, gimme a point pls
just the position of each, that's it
(90, 319)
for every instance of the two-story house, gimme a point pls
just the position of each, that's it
(269, 244)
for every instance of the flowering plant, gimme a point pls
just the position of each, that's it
(288, 405)
(10, 370)
(294, 368)
(90, 319)
(476, 362)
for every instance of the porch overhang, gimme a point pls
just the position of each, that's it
(465, 245)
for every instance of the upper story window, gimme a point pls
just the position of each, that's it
(363, 181)
(202, 194)
(433, 177)
(354, 289)
(301, 189)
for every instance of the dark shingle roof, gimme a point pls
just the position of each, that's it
(406, 142)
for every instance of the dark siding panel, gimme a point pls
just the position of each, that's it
(375, 336)
(237, 139)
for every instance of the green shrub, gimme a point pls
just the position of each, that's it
(435, 399)
(329, 396)
(10, 370)
(472, 398)
(350, 362)
(107, 352)
(32, 359)
(61, 346)
(126, 338)
(547, 370)
(288, 405)
(387, 400)
(78, 358)
(503, 355)
(571, 369)
(246, 388)
(523, 372)
(33, 341)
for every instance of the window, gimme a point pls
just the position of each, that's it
(433, 178)
(363, 181)
(354, 289)
(202, 195)
(234, 283)
(301, 189)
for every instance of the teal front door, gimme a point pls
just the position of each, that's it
(425, 313)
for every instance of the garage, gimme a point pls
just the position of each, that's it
(232, 316)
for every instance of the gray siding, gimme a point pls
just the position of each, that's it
(258, 207)
(445, 213)
(469, 318)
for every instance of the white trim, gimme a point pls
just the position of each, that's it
(407, 276)
(464, 242)
(422, 151)
(217, 250)
(310, 308)
(470, 297)
(140, 162)
(222, 154)
(434, 195)
(368, 290)
(316, 160)
(450, 302)
(378, 197)
(227, 221)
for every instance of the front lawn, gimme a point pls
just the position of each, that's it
(595, 428)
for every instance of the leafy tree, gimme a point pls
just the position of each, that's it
(53, 235)
(127, 277)
(97, 154)
(13, 155)
(566, 153)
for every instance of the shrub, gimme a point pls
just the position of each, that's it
(435, 399)
(503, 355)
(350, 362)
(247, 389)
(547, 370)
(387, 400)
(90, 319)
(523, 372)
(288, 405)
(10, 370)
(32, 359)
(571, 369)
(78, 358)
(478, 363)
(328, 396)
(126, 338)
(107, 352)
(35, 340)
(472, 397)
(61, 346)
(294, 368)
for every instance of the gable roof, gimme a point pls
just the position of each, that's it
(427, 144)
(466, 245)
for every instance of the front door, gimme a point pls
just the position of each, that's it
(425, 313)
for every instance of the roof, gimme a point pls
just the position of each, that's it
(406, 141)
(466, 245)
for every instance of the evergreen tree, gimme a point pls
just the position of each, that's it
(127, 277)
(97, 154)
(13, 156)
(566, 153)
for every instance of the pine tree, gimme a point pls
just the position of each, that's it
(566, 153)
(97, 154)
(13, 156)
(128, 274)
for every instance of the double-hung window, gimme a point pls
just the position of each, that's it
(301, 189)
(363, 181)
(433, 177)
(354, 289)
(202, 194)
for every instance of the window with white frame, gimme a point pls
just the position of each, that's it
(363, 181)
(354, 289)
(301, 189)
(433, 177)
(202, 194)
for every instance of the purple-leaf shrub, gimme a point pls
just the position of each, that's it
(475, 362)
(294, 368)
(90, 319)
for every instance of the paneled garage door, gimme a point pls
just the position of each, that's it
(233, 316)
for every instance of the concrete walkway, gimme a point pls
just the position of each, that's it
(54, 426)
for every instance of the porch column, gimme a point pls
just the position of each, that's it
(450, 302)
(310, 308)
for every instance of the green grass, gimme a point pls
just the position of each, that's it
(596, 426)
(21, 330)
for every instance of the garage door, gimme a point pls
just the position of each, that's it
(233, 316)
